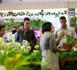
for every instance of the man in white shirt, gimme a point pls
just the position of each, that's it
(64, 30)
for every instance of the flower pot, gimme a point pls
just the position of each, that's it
(67, 46)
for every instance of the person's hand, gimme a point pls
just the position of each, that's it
(62, 49)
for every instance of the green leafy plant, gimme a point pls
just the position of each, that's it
(62, 55)
(36, 24)
(70, 39)
(36, 55)
(15, 58)
(23, 63)
(67, 55)
(3, 55)
(11, 23)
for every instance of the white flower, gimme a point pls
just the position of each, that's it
(37, 46)
(35, 51)
(17, 44)
(22, 47)
(25, 43)
(28, 48)
(10, 37)
(2, 51)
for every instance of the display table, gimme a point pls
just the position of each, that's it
(68, 60)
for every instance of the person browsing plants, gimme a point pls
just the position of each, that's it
(25, 33)
(48, 48)
(2, 32)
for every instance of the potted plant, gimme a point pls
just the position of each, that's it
(62, 58)
(68, 42)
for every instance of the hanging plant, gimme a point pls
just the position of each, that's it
(73, 21)
(36, 24)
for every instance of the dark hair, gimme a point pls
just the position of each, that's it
(46, 27)
(14, 30)
(2, 26)
(26, 18)
(76, 29)
(62, 17)
(15, 27)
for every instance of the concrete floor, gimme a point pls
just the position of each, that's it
(2, 67)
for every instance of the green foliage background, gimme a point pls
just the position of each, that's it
(34, 24)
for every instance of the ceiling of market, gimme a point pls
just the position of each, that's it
(8, 1)
(36, 4)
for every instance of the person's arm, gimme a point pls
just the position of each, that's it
(17, 38)
(58, 38)
(33, 41)
(52, 44)
(74, 34)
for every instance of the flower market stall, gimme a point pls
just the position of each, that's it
(16, 56)
(68, 55)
